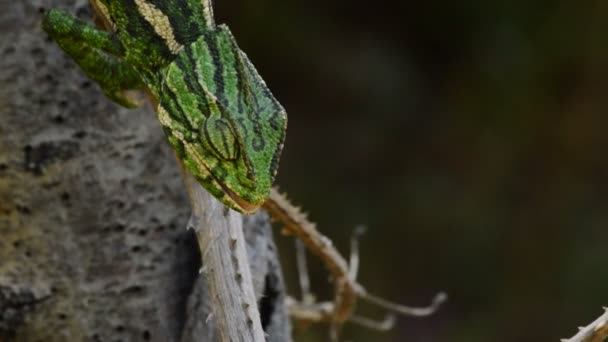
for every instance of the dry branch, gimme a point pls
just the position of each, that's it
(347, 289)
(219, 231)
(597, 331)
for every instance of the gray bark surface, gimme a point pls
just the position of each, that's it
(93, 210)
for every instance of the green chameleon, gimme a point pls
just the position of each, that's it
(215, 109)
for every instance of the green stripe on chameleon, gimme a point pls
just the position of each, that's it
(187, 101)
(231, 75)
(218, 68)
(187, 65)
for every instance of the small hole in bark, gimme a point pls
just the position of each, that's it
(136, 249)
(134, 290)
(37, 51)
(65, 196)
(146, 335)
(23, 209)
(58, 119)
(80, 134)
(119, 328)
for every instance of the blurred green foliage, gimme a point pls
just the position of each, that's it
(469, 136)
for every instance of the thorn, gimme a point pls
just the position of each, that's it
(202, 270)
(191, 223)
(580, 328)
(605, 308)
(233, 242)
(209, 317)
(246, 305)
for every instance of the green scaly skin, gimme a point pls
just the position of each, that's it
(215, 109)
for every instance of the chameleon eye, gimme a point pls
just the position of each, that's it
(218, 136)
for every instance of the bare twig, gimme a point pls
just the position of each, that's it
(225, 265)
(439, 299)
(303, 276)
(354, 252)
(385, 325)
(597, 331)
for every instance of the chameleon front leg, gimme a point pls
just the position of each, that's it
(97, 52)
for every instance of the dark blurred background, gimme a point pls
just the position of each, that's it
(468, 136)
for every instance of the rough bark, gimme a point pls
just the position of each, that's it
(93, 211)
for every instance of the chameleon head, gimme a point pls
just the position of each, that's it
(222, 120)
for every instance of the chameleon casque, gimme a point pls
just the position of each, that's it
(216, 111)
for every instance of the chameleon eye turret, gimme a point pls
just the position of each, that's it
(217, 134)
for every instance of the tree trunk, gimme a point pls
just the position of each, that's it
(93, 211)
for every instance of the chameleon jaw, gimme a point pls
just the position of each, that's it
(246, 207)
(231, 199)
(238, 203)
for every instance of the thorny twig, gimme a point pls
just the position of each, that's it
(597, 331)
(347, 289)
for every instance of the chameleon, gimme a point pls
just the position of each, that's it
(215, 110)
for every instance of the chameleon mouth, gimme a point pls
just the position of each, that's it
(247, 207)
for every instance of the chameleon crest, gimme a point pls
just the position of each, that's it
(215, 109)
